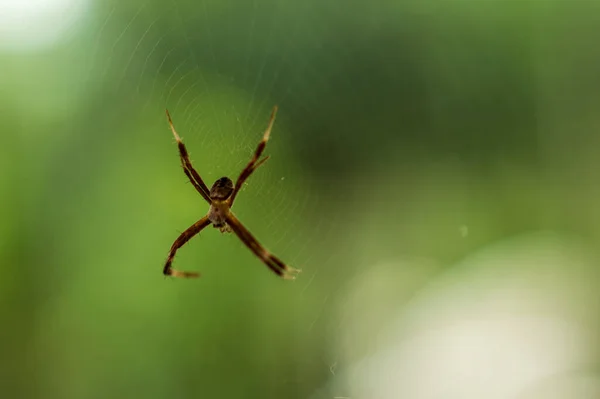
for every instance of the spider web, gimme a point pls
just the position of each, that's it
(220, 67)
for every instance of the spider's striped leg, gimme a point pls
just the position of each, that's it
(254, 162)
(179, 242)
(272, 262)
(188, 169)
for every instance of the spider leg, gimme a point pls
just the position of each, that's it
(256, 165)
(179, 242)
(188, 169)
(272, 262)
(254, 162)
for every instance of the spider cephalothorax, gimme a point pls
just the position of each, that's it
(220, 198)
(222, 189)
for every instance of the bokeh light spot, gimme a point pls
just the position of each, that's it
(33, 25)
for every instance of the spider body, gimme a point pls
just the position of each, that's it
(219, 208)
(217, 214)
(222, 189)
(220, 197)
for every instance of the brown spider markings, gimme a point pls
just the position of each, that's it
(220, 198)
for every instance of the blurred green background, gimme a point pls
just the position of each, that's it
(434, 171)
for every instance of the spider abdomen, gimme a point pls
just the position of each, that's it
(217, 214)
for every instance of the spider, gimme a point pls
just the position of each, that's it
(220, 198)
